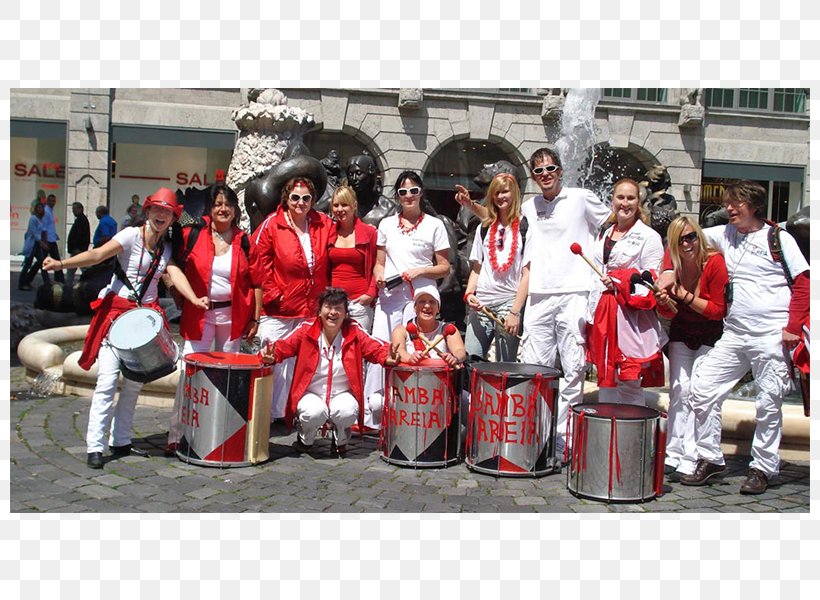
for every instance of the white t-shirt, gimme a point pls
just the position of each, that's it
(330, 357)
(574, 215)
(494, 287)
(761, 295)
(135, 261)
(221, 277)
(415, 249)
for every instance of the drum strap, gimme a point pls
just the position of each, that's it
(329, 356)
(149, 275)
(613, 453)
(472, 413)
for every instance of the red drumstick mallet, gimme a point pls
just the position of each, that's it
(413, 331)
(449, 329)
(575, 247)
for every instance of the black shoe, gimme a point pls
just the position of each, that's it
(121, 450)
(301, 447)
(338, 451)
(674, 477)
(95, 460)
(756, 482)
(704, 471)
(668, 469)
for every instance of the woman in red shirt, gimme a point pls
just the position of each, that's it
(327, 382)
(293, 267)
(219, 265)
(352, 254)
(699, 291)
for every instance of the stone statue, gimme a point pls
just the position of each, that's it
(655, 196)
(798, 225)
(362, 176)
(691, 109)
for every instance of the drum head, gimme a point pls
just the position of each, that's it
(515, 369)
(428, 364)
(620, 412)
(135, 328)
(224, 359)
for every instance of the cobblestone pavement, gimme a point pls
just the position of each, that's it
(49, 474)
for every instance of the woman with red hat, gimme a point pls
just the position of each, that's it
(143, 254)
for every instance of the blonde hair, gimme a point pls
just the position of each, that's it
(673, 234)
(643, 213)
(497, 183)
(345, 195)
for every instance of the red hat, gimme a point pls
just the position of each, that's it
(164, 198)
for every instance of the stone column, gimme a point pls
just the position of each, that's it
(88, 153)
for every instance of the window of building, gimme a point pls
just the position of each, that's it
(652, 94)
(790, 100)
(720, 98)
(780, 201)
(753, 98)
(617, 92)
(786, 100)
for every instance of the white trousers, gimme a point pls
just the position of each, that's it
(717, 373)
(554, 323)
(680, 439)
(362, 314)
(103, 414)
(388, 315)
(270, 330)
(312, 412)
(626, 392)
(216, 336)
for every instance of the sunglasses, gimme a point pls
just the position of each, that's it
(413, 191)
(545, 169)
(499, 239)
(689, 238)
(296, 198)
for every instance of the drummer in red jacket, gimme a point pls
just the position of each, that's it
(293, 267)
(327, 382)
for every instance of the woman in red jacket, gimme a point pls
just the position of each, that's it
(218, 259)
(293, 267)
(699, 291)
(327, 382)
(352, 254)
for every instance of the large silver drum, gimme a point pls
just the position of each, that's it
(420, 426)
(513, 415)
(617, 452)
(143, 344)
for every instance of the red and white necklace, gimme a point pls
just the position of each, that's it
(409, 230)
(494, 246)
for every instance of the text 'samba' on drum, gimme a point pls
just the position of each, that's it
(512, 420)
(225, 411)
(420, 424)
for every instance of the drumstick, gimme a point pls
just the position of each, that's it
(495, 318)
(449, 329)
(646, 279)
(575, 247)
(414, 332)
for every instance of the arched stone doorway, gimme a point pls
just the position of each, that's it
(458, 162)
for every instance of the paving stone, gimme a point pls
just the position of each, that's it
(99, 491)
(529, 500)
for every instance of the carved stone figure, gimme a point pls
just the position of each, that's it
(691, 109)
(362, 176)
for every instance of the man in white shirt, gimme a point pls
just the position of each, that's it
(554, 317)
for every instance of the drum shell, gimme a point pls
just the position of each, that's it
(591, 472)
(512, 420)
(150, 360)
(420, 425)
(225, 410)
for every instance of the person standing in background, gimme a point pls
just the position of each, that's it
(107, 227)
(51, 234)
(79, 236)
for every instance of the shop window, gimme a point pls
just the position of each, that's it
(780, 201)
(790, 100)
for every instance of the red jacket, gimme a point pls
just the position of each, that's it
(244, 278)
(366, 236)
(303, 343)
(289, 289)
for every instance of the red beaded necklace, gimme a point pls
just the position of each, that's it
(409, 230)
(494, 246)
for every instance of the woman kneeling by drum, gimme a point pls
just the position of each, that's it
(425, 331)
(143, 255)
(327, 382)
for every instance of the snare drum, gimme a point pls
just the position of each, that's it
(512, 422)
(225, 411)
(617, 452)
(420, 425)
(143, 344)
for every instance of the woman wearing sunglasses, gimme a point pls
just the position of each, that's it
(292, 246)
(626, 337)
(498, 280)
(699, 292)
(412, 250)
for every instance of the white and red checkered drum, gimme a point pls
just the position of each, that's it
(617, 452)
(513, 415)
(420, 425)
(225, 412)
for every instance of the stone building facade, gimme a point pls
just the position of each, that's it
(101, 146)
